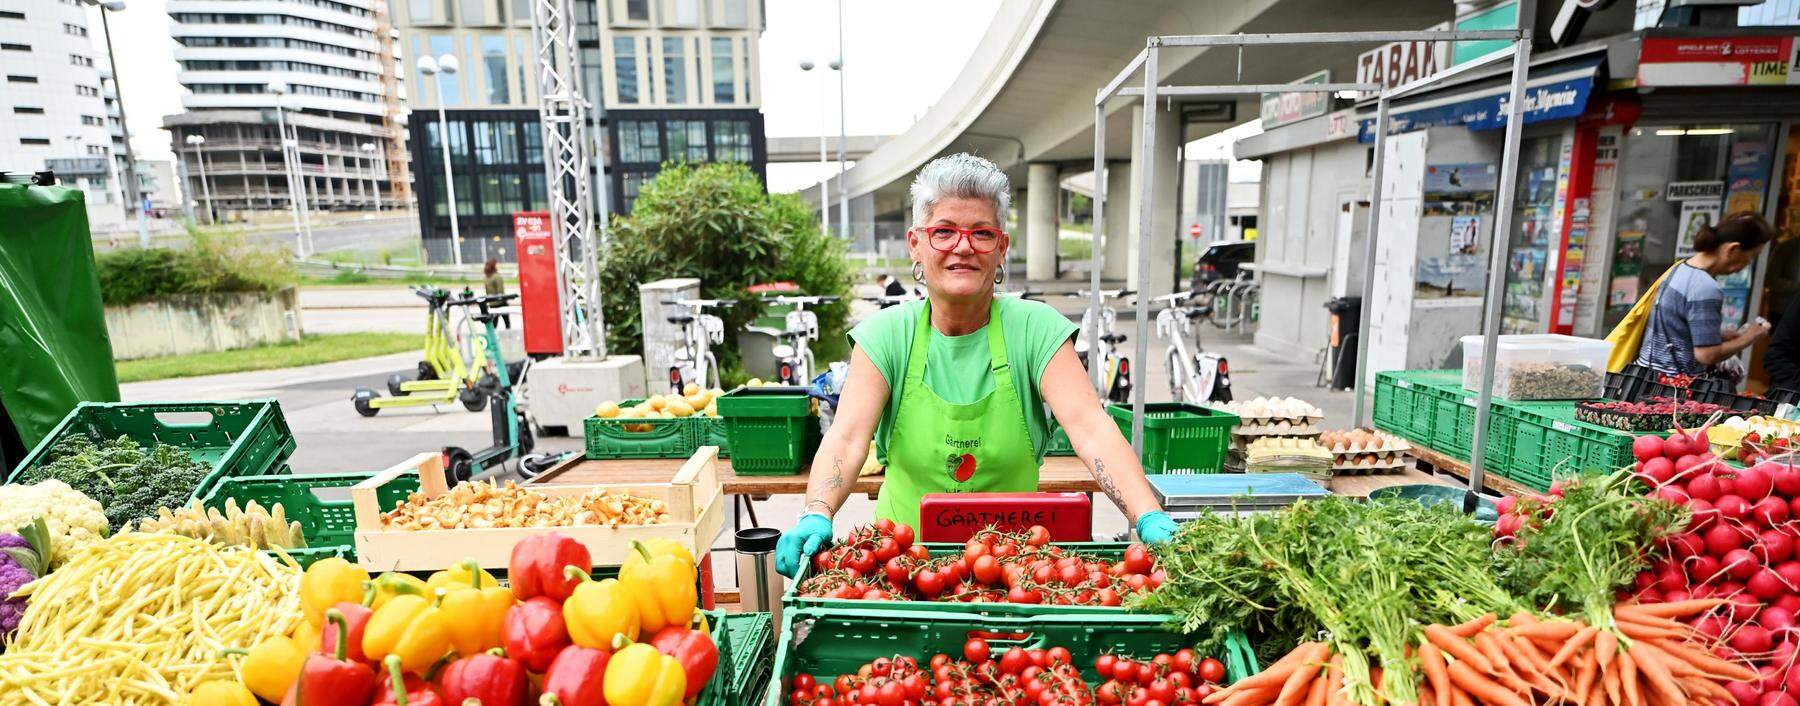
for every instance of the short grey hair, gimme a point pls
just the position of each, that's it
(961, 175)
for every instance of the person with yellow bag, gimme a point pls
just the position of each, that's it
(1675, 328)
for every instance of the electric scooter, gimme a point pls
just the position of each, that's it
(443, 376)
(512, 432)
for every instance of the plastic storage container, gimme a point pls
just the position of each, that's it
(773, 431)
(326, 519)
(1179, 437)
(238, 439)
(1540, 367)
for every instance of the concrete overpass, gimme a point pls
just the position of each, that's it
(1025, 100)
(793, 150)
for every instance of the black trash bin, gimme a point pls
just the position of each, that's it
(1346, 320)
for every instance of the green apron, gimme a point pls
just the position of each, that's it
(939, 447)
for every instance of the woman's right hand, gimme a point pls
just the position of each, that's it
(797, 546)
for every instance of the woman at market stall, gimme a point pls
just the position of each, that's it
(1684, 336)
(952, 389)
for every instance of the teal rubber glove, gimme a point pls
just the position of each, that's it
(1154, 527)
(798, 545)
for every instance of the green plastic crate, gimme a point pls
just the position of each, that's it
(1178, 437)
(752, 638)
(826, 643)
(1110, 551)
(238, 439)
(719, 689)
(1394, 407)
(773, 430)
(329, 524)
(1059, 443)
(667, 438)
(1546, 443)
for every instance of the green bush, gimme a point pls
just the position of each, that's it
(715, 223)
(215, 263)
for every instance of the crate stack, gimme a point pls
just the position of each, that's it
(1267, 422)
(1366, 452)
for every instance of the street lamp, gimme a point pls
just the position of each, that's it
(143, 223)
(445, 65)
(368, 148)
(824, 176)
(843, 118)
(195, 141)
(296, 187)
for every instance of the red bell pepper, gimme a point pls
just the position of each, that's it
(577, 678)
(488, 677)
(332, 680)
(356, 617)
(536, 566)
(401, 689)
(534, 632)
(695, 650)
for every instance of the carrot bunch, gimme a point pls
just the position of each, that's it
(1645, 658)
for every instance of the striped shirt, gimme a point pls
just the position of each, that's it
(1686, 316)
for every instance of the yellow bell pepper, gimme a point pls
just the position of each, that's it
(477, 611)
(306, 635)
(270, 667)
(393, 584)
(638, 675)
(599, 610)
(460, 576)
(325, 584)
(655, 547)
(663, 587)
(220, 692)
(410, 626)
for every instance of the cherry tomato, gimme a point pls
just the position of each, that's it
(1020, 594)
(976, 651)
(1037, 536)
(929, 583)
(884, 526)
(974, 549)
(1210, 670)
(869, 693)
(896, 570)
(903, 533)
(1014, 661)
(1137, 582)
(1103, 665)
(1059, 655)
(1163, 662)
(1137, 697)
(1203, 691)
(842, 684)
(1044, 573)
(1108, 596)
(915, 686)
(986, 569)
(1108, 693)
(804, 682)
(1137, 559)
(1180, 679)
(1070, 575)
(881, 667)
(890, 694)
(1161, 690)
(1185, 660)
(917, 551)
(1125, 671)
(886, 549)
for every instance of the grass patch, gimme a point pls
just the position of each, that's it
(311, 350)
(1075, 248)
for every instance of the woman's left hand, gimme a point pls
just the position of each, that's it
(1155, 527)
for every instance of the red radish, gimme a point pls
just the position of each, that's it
(1770, 511)
(1743, 608)
(1743, 692)
(1768, 676)
(1671, 579)
(1705, 568)
(1711, 626)
(1751, 639)
(1677, 445)
(1794, 506)
(1684, 463)
(1776, 545)
(1777, 619)
(1732, 507)
(1647, 447)
(1690, 544)
(1740, 564)
(1676, 596)
(1643, 581)
(1789, 602)
(1789, 572)
(1556, 489)
(1704, 487)
(1672, 494)
(1506, 503)
(1507, 525)
(1701, 513)
(1721, 539)
(1776, 698)
(1650, 595)
(1787, 479)
(1765, 584)
(1792, 684)
(1753, 483)
(1659, 468)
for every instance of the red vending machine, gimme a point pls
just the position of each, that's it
(539, 292)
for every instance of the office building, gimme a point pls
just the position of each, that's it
(329, 65)
(52, 111)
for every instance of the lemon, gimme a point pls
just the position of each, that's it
(689, 390)
(679, 408)
(658, 403)
(754, 382)
(715, 392)
(607, 410)
(712, 410)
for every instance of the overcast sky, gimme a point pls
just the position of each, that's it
(900, 57)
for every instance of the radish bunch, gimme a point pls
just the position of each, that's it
(1739, 545)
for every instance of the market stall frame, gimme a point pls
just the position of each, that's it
(1146, 59)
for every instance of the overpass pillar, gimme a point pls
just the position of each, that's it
(1115, 265)
(1161, 277)
(1040, 221)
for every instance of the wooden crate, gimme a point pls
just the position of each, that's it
(694, 497)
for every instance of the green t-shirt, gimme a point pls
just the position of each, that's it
(956, 367)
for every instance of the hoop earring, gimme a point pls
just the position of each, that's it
(1000, 275)
(918, 272)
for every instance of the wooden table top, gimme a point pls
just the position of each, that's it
(1059, 474)
(1491, 481)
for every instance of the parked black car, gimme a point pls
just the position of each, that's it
(1220, 260)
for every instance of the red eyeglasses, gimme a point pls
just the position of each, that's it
(945, 238)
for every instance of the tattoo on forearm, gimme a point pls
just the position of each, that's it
(837, 474)
(1107, 484)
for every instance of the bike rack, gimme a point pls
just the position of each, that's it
(1146, 60)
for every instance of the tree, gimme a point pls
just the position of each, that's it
(715, 223)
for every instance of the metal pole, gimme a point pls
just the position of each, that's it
(287, 166)
(1146, 208)
(843, 188)
(1360, 384)
(1096, 256)
(137, 191)
(206, 188)
(449, 181)
(824, 161)
(1503, 207)
(377, 184)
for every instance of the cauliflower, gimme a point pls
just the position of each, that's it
(13, 576)
(75, 520)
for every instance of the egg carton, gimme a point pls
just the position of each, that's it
(1271, 419)
(1278, 429)
(1397, 464)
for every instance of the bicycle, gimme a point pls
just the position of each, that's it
(794, 354)
(1194, 378)
(700, 331)
(1116, 375)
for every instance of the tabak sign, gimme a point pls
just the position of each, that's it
(1401, 62)
(1717, 61)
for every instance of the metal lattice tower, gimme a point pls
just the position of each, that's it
(563, 111)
